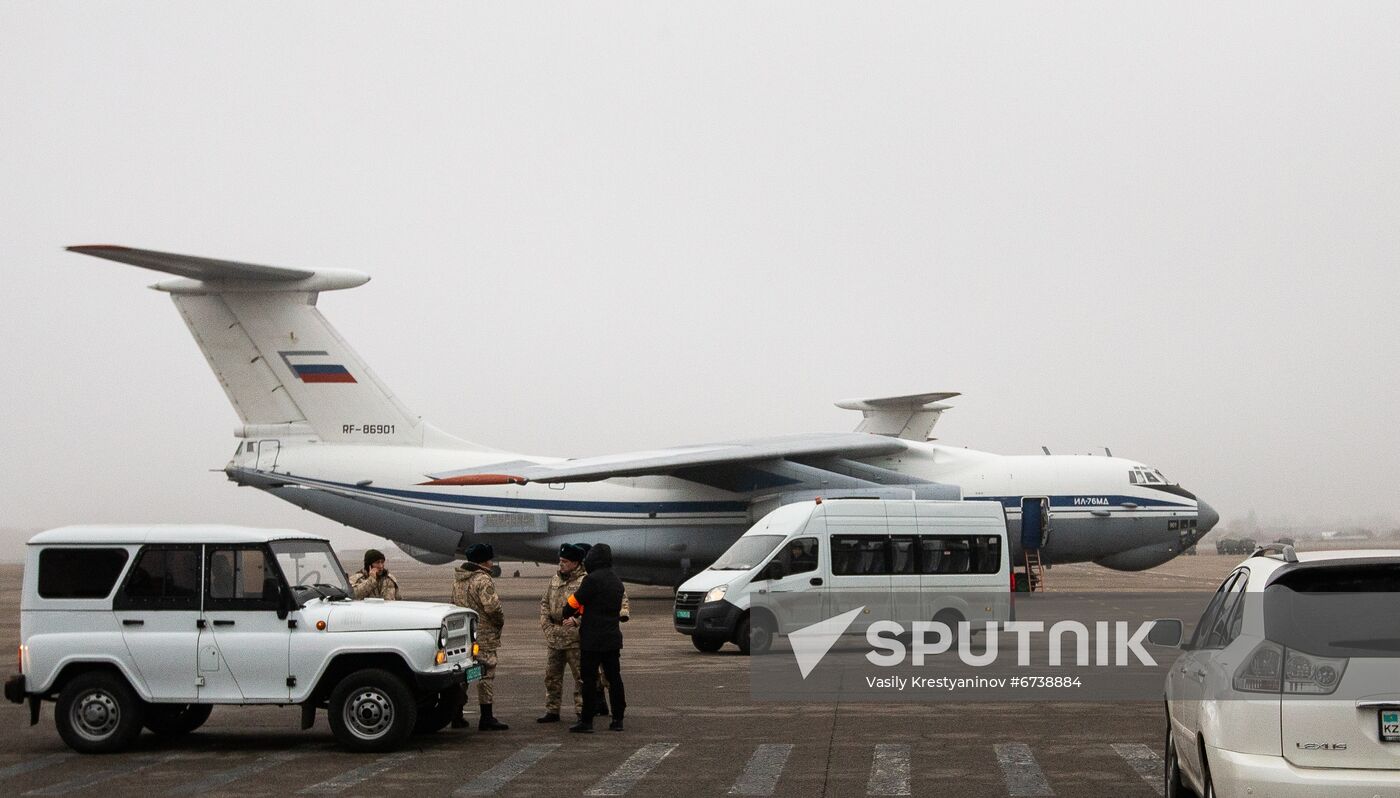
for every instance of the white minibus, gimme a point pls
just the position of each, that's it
(903, 560)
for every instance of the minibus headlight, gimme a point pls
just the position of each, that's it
(716, 593)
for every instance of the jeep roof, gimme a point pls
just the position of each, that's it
(157, 533)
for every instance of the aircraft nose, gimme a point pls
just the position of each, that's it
(1206, 517)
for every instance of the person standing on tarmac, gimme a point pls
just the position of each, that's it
(374, 581)
(594, 609)
(474, 589)
(561, 639)
(623, 616)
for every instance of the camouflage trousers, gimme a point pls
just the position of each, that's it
(486, 688)
(554, 679)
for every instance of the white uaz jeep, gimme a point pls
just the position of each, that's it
(125, 627)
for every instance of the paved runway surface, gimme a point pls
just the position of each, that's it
(692, 728)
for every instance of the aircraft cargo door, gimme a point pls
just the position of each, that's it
(1035, 522)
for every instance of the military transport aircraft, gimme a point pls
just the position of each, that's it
(322, 432)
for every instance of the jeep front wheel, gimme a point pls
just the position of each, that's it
(372, 710)
(98, 713)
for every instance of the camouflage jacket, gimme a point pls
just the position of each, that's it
(556, 635)
(474, 589)
(363, 586)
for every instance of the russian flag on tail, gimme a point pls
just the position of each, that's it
(310, 366)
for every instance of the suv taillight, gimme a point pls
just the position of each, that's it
(1271, 668)
(19, 659)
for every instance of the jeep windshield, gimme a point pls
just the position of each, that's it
(747, 552)
(311, 569)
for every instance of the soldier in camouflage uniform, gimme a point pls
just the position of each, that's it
(374, 581)
(474, 589)
(561, 640)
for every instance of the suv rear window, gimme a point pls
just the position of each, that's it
(79, 573)
(1350, 610)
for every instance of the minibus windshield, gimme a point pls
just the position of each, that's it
(747, 552)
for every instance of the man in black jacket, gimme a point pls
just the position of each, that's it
(595, 608)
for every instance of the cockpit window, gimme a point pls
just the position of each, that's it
(1142, 475)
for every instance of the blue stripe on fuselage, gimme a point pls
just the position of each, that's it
(1086, 502)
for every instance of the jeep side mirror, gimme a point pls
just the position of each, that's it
(775, 570)
(284, 601)
(1165, 632)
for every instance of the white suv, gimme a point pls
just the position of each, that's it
(125, 627)
(1290, 683)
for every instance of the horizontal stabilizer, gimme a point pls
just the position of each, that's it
(210, 275)
(910, 417)
(190, 266)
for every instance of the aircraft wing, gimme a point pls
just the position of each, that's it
(846, 445)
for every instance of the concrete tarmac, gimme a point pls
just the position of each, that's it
(692, 727)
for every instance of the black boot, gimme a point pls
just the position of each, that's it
(583, 726)
(548, 717)
(488, 721)
(616, 725)
(461, 722)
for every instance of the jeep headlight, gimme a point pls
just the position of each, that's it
(442, 636)
(716, 593)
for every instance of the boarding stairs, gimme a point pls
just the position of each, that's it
(1035, 570)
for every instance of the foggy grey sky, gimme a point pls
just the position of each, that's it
(1170, 229)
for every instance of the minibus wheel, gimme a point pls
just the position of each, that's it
(950, 618)
(707, 644)
(754, 638)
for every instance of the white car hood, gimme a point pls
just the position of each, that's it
(706, 579)
(377, 615)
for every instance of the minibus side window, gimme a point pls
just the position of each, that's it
(906, 555)
(961, 554)
(860, 555)
(799, 556)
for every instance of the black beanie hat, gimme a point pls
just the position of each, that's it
(571, 552)
(373, 556)
(480, 552)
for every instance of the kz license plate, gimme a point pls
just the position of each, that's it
(683, 614)
(1390, 725)
(473, 673)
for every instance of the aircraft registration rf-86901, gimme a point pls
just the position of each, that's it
(321, 431)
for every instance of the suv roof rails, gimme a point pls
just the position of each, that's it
(1284, 550)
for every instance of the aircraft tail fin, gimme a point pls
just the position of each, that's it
(281, 363)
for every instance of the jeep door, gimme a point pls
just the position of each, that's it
(158, 608)
(1187, 679)
(244, 645)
